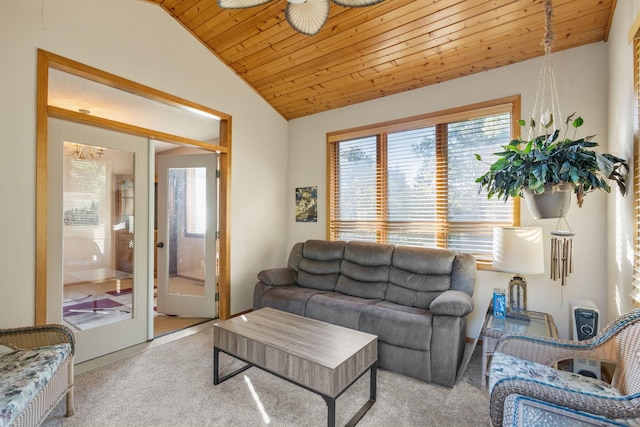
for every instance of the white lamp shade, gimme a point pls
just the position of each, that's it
(518, 250)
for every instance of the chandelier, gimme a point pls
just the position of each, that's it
(86, 152)
(305, 16)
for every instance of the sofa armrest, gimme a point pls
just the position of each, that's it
(278, 276)
(452, 303)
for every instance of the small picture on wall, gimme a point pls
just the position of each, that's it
(306, 204)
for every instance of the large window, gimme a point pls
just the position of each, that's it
(412, 182)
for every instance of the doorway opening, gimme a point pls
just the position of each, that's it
(99, 239)
(130, 116)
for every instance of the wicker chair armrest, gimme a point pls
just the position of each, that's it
(37, 336)
(548, 351)
(606, 406)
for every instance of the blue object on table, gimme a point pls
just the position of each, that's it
(499, 303)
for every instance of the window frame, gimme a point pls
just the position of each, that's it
(439, 120)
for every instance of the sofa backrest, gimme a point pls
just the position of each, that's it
(365, 270)
(318, 263)
(419, 275)
(406, 275)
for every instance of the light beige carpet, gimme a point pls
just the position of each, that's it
(172, 385)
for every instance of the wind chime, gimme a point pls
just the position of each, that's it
(561, 252)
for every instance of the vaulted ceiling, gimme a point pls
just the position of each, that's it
(370, 52)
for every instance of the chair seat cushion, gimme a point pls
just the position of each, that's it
(504, 366)
(23, 374)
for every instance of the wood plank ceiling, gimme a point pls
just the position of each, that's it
(394, 46)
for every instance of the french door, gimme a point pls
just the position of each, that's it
(187, 244)
(98, 278)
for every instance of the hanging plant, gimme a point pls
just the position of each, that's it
(547, 161)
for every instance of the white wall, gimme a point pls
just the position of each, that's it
(623, 126)
(141, 42)
(582, 76)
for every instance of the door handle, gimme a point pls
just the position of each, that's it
(160, 245)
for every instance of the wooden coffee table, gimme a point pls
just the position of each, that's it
(318, 356)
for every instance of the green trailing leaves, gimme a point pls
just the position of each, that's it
(547, 158)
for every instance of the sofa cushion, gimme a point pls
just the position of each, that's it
(336, 308)
(319, 267)
(399, 325)
(24, 373)
(323, 250)
(290, 298)
(419, 275)
(361, 289)
(365, 270)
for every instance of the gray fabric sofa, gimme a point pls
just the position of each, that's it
(414, 299)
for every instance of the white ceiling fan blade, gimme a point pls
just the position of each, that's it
(356, 3)
(240, 4)
(308, 17)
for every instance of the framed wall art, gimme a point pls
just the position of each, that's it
(307, 204)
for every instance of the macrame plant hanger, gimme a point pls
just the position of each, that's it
(548, 118)
(547, 104)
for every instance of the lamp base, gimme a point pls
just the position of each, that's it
(520, 315)
(518, 294)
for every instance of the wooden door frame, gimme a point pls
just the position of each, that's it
(44, 111)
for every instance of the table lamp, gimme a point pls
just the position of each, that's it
(518, 250)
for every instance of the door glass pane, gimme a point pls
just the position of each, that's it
(187, 215)
(98, 235)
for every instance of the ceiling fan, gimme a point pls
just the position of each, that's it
(305, 16)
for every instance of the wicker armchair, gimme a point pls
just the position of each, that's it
(523, 365)
(60, 384)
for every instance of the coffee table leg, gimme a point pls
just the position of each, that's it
(373, 384)
(216, 375)
(216, 356)
(331, 402)
(331, 411)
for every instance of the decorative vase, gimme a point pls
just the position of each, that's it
(552, 203)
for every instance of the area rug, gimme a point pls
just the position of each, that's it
(82, 311)
(91, 311)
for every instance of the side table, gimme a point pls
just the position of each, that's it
(540, 324)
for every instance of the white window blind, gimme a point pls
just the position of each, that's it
(635, 292)
(417, 186)
(196, 199)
